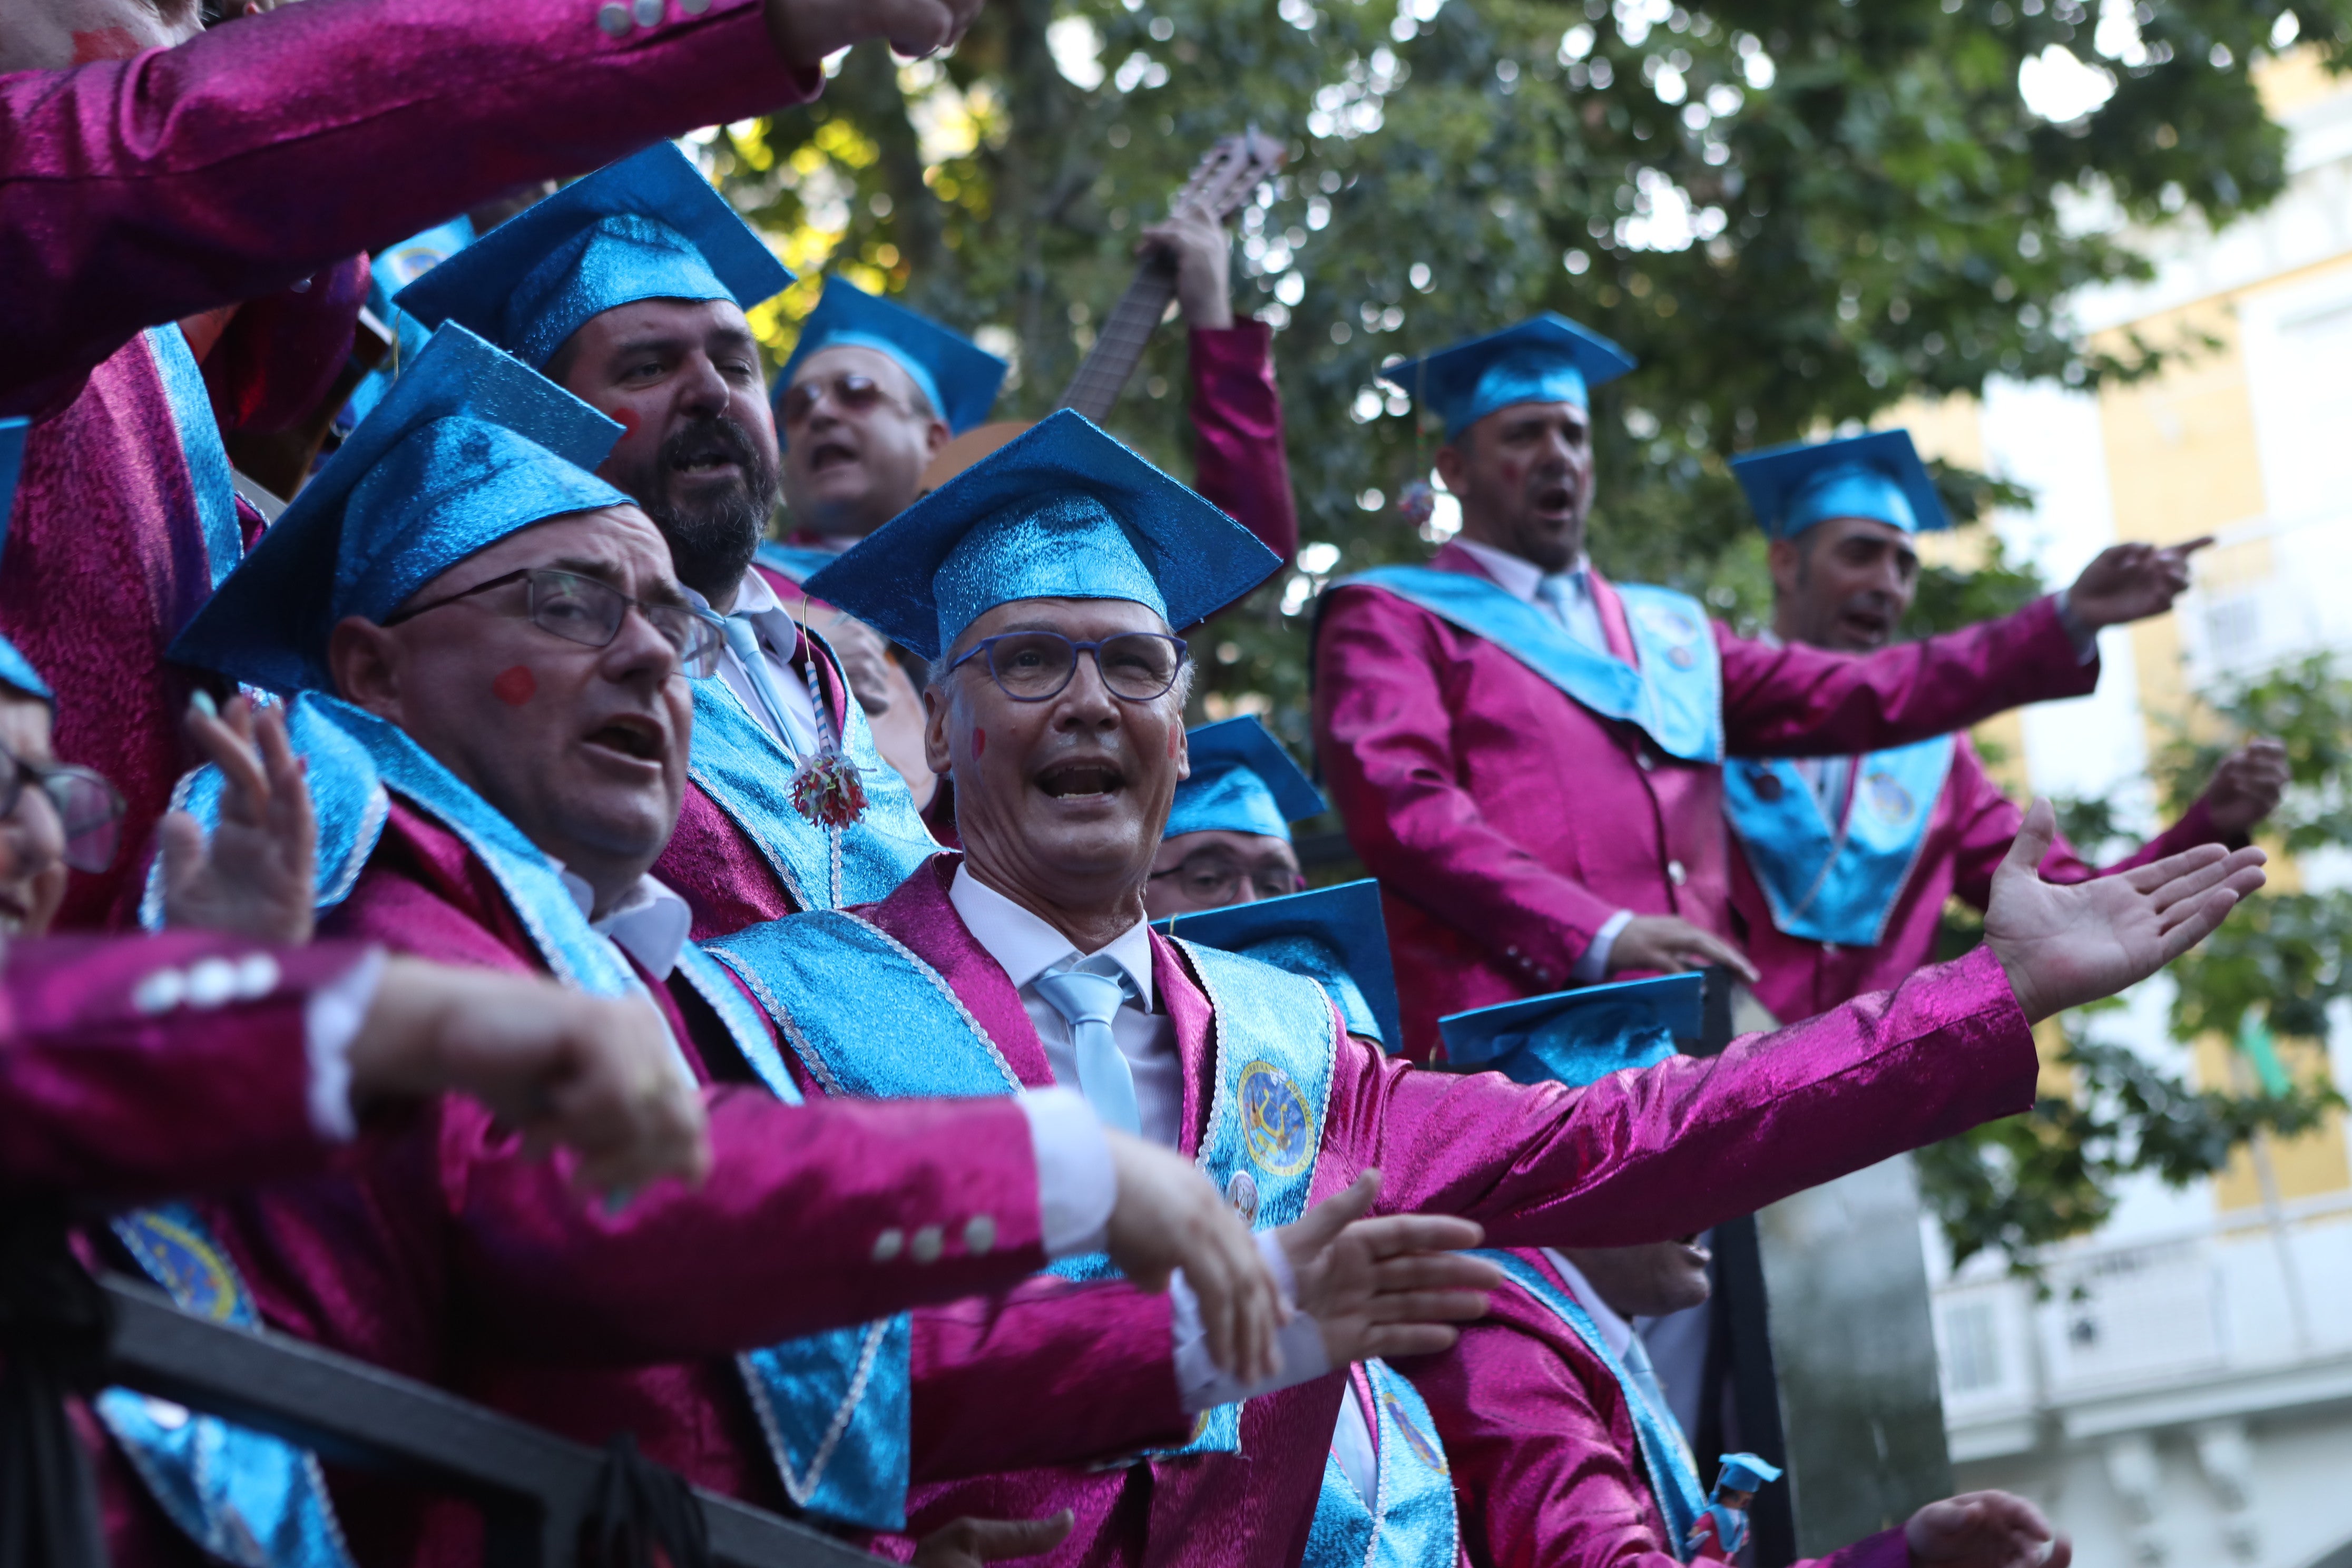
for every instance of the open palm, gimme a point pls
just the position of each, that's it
(2064, 944)
(255, 875)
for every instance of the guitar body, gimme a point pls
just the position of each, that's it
(969, 449)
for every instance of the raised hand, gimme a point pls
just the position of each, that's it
(2129, 583)
(2247, 786)
(2064, 945)
(1670, 943)
(1985, 1530)
(1387, 1286)
(598, 1076)
(256, 876)
(1203, 251)
(805, 31)
(966, 1542)
(1168, 1215)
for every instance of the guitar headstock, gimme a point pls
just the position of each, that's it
(1229, 175)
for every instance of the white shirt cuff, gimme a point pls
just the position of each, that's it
(2086, 644)
(1077, 1184)
(1594, 963)
(330, 1022)
(1299, 1355)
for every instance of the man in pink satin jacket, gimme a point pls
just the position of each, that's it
(1855, 910)
(148, 173)
(1043, 582)
(1530, 759)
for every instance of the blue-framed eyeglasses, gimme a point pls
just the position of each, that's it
(1035, 667)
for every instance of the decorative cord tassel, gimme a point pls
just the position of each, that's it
(826, 788)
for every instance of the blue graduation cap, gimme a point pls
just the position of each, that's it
(1545, 359)
(1579, 1036)
(1061, 512)
(1241, 782)
(958, 376)
(647, 227)
(1878, 475)
(468, 447)
(1334, 936)
(1745, 1473)
(14, 668)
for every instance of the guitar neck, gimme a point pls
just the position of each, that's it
(1118, 347)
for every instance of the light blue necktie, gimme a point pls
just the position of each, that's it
(1087, 995)
(1573, 609)
(1644, 1379)
(743, 640)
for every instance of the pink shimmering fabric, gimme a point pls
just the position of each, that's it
(1238, 458)
(1967, 837)
(1638, 1156)
(1451, 762)
(1545, 1466)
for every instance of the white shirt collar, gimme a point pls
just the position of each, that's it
(757, 603)
(650, 923)
(1615, 1331)
(1516, 574)
(1026, 946)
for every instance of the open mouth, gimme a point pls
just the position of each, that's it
(1864, 626)
(1081, 781)
(829, 454)
(705, 459)
(1555, 500)
(633, 737)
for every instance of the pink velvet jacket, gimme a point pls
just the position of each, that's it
(447, 1256)
(1507, 824)
(1546, 1470)
(114, 1104)
(1967, 837)
(1635, 1157)
(240, 165)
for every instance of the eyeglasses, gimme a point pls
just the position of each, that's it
(1033, 666)
(1214, 878)
(854, 392)
(89, 808)
(590, 612)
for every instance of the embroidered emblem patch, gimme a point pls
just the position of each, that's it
(1681, 656)
(1672, 625)
(197, 1277)
(1888, 798)
(1427, 1452)
(1274, 1124)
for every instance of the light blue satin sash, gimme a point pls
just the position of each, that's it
(218, 538)
(741, 767)
(1674, 1474)
(1675, 696)
(795, 561)
(247, 1499)
(869, 1019)
(1825, 883)
(1411, 1524)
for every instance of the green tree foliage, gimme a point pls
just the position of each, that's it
(1795, 212)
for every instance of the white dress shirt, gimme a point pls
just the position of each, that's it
(779, 637)
(1580, 617)
(1024, 945)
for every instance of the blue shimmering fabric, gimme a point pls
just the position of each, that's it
(1415, 1526)
(14, 668)
(450, 488)
(1666, 1453)
(1850, 490)
(18, 671)
(1545, 359)
(1232, 799)
(617, 260)
(1067, 545)
(241, 1496)
(1836, 881)
(739, 763)
(1674, 694)
(925, 382)
(1578, 1036)
(871, 1020)
(958, 376)
(1318, 961)
(1531, 375)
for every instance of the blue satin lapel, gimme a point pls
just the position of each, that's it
(1836, 883)
(217, 543)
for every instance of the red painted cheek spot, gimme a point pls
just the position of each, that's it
(979, 743)
(1513, 474)
(104, 44)
(516, 687)
(626, 420)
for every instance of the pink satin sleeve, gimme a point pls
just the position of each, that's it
(1239, 462)
(1987, 821)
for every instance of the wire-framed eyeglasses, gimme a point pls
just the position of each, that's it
(590, 612)
(88, 808)
(1035, 667)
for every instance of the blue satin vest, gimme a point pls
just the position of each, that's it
(869, 1019)
(795, 561)
(1674, 697)
(216, 544)
(1666, 1455)
(1411, 1521)
(1836, 883)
